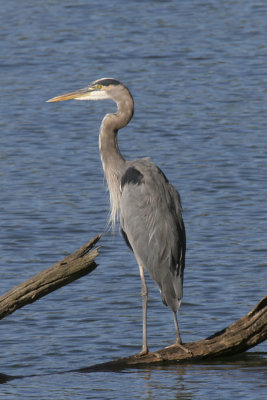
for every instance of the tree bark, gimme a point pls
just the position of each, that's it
(245, 333)
(74, 266)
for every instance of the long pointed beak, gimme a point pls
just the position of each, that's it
(81, 94)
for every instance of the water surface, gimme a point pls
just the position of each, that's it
(197, 71)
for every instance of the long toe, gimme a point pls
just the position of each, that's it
(143, 352)
(179, 344)
(182, 347)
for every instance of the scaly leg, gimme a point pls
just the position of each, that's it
(144, 306)
(178, 337)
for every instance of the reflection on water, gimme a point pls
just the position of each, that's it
(210, 378)
(222, 378)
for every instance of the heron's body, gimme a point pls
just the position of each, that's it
(158, 243)
(148, 205)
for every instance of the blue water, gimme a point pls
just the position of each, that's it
(197, 71)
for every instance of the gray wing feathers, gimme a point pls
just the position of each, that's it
(151, 218)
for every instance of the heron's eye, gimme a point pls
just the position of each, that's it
(99, 86)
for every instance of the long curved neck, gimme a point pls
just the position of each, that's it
(112, 160)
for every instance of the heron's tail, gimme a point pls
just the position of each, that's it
(172, 291)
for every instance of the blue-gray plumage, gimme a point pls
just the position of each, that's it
(154, 227)
(148, 206)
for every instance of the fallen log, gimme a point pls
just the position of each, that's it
(242, 335)
(73, 267)
(247, 332)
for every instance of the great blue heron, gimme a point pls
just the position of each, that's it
(149, 207)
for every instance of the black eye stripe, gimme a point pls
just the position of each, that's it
(107, 82)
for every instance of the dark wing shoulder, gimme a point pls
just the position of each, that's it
(151, 207)
(132, 176)
(143, 171)
(147, 184)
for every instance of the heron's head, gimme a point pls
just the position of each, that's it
(105, 88)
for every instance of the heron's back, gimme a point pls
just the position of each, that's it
(152, 221)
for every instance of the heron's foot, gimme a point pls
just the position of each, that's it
(143, 352)
(180, 345)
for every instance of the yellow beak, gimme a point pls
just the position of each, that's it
(80, 94)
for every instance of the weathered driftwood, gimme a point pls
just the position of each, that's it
(242, 335)
(74, 266)
(245, 333)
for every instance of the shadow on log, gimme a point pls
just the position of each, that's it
(73, 267)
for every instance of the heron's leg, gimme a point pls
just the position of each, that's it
(144, 306)
(178, 337)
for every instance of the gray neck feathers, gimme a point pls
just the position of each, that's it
(112, 160)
